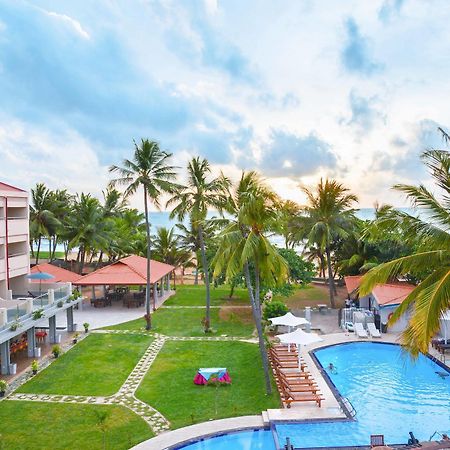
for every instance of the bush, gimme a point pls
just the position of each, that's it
(274, 309)
(300, 270)
(285, 290)
(56, 350)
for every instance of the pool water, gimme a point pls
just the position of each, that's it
(244, 440)
(391, 394)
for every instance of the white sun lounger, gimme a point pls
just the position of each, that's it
(360, 331)
(373, 330)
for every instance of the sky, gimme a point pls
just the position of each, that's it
(297, 90)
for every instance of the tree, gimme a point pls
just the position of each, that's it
(244, 241)
(88, 229)
(299, 269)
(287, 223)
(200, 194)
(149, 169)
(328, 214)
(430, 264)
(43, 222)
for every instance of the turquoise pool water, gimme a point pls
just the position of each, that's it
(391, 395)
(244, 440)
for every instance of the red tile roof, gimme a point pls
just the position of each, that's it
(61, 275)
(127, 271)
(388, 294)
(8, 187)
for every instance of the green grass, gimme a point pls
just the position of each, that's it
(40, 426)
(312, 295)
(44, 255)
(235, 321)
(98, 365)
(169, 387)
(191, 295)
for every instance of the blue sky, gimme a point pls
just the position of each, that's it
(294, 89)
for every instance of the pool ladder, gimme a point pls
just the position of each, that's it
(349, 406)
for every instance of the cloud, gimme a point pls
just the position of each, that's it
(390, 9)
(356, 56)
(197, 40)
(364, 115)
(406, 161)
(64, 160)
(76, 26)
(289, 155)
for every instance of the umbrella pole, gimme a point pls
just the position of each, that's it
(289, 345)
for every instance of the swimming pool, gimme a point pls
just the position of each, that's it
(391, 394)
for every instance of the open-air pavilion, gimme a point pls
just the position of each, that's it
(130, 271)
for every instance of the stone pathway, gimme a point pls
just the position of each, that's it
(125, 396)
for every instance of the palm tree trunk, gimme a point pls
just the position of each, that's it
(31, 248)
(55, 242)
(82, 257)
(206, 274)
(196, 271)
(257, 287)
(233, 285)
(257, 318)
(99, 259)
(38, 250)
(148, 317)
(330, 278)
(49, 259)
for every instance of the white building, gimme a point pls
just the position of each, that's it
(14, 241)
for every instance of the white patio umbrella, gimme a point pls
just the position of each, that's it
(445, 319)
(300, 338)
(290, 321)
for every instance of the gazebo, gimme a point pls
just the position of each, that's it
(131, 271)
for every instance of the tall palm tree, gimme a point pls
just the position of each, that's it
(89, 230)
(189, 240)
(244, 241)
(42, 220)
(328, 214)
(200, 194)
(287, 222)
(430, 232)
(149, 169)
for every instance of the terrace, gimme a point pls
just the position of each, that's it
(26, 319)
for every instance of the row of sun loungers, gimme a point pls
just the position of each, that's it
(294, 382)
(361, 332)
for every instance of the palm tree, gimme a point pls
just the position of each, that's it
(328, 215)
(194, 200)
(430, 232)
(189, 240)
(287, 222)
(42, 220)
(89, 231)
(244, 241)
(150, 170)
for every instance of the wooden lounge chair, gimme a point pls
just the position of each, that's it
(300, 381)
(296, 397)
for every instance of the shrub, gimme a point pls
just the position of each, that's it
(274, 309)
(60, 304)
(3, 385)
(56, 350)
(34, 366)
(38, 314)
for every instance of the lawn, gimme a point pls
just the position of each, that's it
(233, 321)
(98, 365)
(191, 295)
(44, 254)
(39, 426)
(169, 387)
(311, 295)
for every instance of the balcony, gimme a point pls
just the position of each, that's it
(17, 226)
(2, 268)
(18, 264)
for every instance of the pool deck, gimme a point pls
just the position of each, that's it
(331, 408)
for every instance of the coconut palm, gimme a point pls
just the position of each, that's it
(43, 222)
(201, 193)
(149, 169)
(328, 215)
(244, 241)
(430, 232)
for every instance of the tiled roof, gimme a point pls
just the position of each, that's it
(385, 294)
(127, 271)
(61, 275)
(8, 187)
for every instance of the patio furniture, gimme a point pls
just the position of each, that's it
(205, 375)
(373, 330)
(101, 302)
(360, 331)
(40, 336)
(128, 302)
(376, 440)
